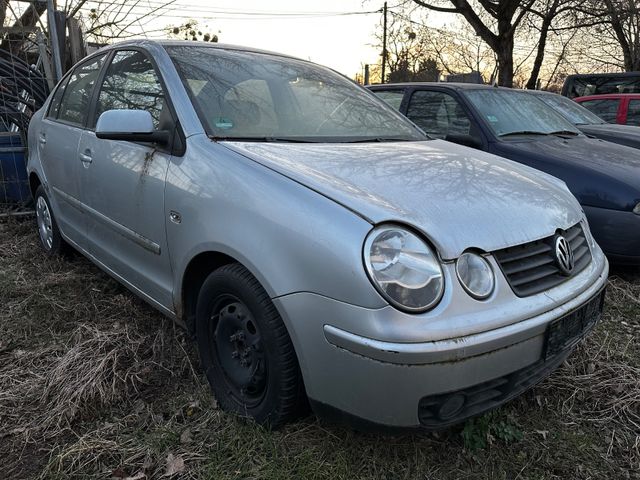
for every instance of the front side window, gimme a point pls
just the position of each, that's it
(131, 83)
(511, 112)
(76, 96)
(255, 96)
(606, 109)
(392, 97)
(438, 114)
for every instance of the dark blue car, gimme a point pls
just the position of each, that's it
(604, 177)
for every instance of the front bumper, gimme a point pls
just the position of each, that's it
(391, 383)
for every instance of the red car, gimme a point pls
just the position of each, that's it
(622, 108)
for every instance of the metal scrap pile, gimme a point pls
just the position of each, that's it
(23, 90)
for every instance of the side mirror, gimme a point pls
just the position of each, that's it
(129, 125)
(466, 140)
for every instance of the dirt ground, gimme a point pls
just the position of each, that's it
(96, 384)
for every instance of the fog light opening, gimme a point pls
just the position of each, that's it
(452, 406)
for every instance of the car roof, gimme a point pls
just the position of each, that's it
(449, 85)
(607, 96)
(189, 43)
(542, 92)
(603, 75)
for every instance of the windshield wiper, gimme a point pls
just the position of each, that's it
(378, 139)
(523, 132)
(564, 132)
(262, 139)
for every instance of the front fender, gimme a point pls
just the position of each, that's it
(289, 237)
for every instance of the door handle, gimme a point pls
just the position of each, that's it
(42, 139)
(86, 157)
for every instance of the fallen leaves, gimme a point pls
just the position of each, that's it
(175, 465)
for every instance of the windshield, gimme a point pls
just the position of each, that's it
(509, 112)
(254, 96)
(576, 114)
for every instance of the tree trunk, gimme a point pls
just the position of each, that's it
(537, 63)
(504, 51)
(505, 63)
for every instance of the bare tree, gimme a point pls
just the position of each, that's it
(106, 20)
(620, 21)
(406, 48)
(190, 30)
(495, 21)
(544, 13)
(459, 50)
(418, 51)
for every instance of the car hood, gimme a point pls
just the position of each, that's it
(617, 161)
(458, 197)
(623, 134)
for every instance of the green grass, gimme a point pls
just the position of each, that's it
(96, 384)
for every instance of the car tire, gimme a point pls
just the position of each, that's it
(245, 349)
(49, 235)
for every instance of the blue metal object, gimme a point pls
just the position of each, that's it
(14, 183)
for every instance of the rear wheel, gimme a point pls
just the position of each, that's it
(245, 349)
(50, 238)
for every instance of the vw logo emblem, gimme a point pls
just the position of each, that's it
(564, 255)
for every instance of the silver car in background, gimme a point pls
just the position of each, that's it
(314, 241)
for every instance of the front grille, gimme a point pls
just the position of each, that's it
(443, 410)
(531, 267)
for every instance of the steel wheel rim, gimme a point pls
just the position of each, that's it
(45, 228)
(239, 351)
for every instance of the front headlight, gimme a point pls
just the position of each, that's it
(403, 267)
(475, 275)
(636, 209)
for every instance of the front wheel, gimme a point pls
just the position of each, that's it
(245, 349)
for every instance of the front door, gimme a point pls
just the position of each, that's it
(440, 115)
(124, 188)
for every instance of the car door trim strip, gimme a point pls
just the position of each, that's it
(126, 232)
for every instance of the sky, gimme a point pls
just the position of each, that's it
(302, 29)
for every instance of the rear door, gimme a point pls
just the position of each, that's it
(58, 141)
(124, 187)
(632, 112)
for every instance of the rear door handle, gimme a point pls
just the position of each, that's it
(42, 139)
(86, 157)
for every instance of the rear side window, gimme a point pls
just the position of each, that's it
(605, 109)
(76, 95)
(131, 83)
(392, 97)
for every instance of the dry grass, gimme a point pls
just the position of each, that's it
(95, 384)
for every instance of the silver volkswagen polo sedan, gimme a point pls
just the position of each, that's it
(316, 243)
